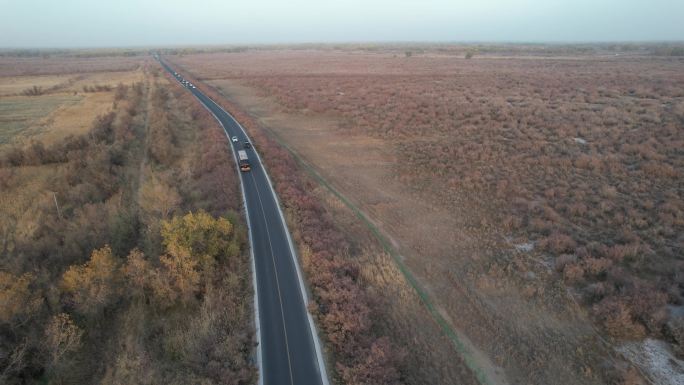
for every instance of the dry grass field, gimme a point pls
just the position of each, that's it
(538, 199)
(24, 116)
(34, 106)
(11, 65)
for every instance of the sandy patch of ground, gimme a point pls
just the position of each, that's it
(655, 358)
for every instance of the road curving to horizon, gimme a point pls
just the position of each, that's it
(289, 352)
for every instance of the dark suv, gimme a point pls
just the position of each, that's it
(247, 145)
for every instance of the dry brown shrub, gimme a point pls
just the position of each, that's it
(558, 243)
(137, 271)
(619, 252)
(34, 91)
(512, 223)
(660, 169)
(597, 266)
(675, 329)
(587, 162)
(158, 199)
(6, 175)
(577, 209)
(631, 376)
(647, 305)
(573, 272)
(597, 291)
(13, 156)
(18, 301)
(618, 320)
(564, 260)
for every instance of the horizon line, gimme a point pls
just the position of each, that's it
(348, 43)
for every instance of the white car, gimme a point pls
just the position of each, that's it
(234, 139)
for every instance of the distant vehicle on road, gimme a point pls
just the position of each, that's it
(243, 161)
(234, 139)
(247, 145)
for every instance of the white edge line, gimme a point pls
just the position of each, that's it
(295, 259)
(257, 320)
(293, 253)
(251, 245)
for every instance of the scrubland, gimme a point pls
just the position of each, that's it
(537, 199)
(122, 250)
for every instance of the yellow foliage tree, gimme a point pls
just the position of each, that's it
(177, 280)
(93, 285)
(200, 235)
(193, 243)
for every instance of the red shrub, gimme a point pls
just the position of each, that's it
(617, 319)
(558, 243)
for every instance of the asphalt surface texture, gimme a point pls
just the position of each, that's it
(288, 354)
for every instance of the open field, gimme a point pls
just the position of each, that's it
(50, 107)
(16, 85)
(65, 83)
(24, 116)
(538, 200)
(64, 64)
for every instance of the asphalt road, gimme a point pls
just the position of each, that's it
(289, 351)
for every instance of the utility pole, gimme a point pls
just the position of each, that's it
(59, 212)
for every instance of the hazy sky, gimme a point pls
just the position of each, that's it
(93, 23)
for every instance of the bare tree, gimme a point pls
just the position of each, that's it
(62, 336)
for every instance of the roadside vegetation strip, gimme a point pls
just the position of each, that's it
(255, 301)
(131, 245)
(321, 362)
(424, 297)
